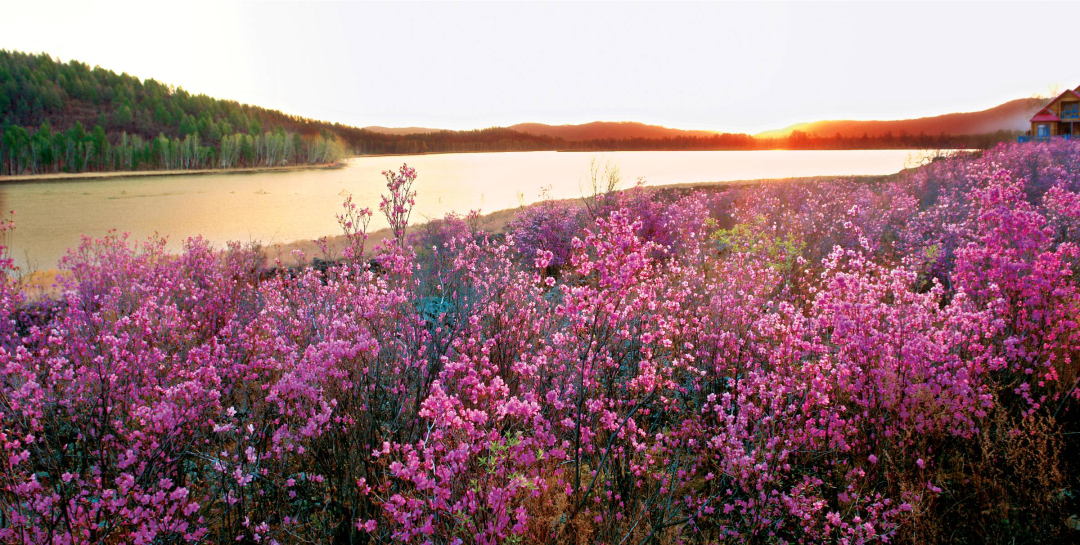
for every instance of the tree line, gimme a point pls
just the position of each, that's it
(76, 150)
(498, 139)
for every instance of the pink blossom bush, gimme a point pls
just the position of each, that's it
(842, 361)
(397, 206)
(548, 226)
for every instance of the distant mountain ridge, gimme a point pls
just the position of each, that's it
(1013, 115)
(606, 129)
(399, 131)
(596, 130)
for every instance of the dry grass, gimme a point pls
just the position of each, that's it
(1011, 481)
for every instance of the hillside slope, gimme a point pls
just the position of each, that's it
(1010, 116)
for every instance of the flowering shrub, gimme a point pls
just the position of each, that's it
(397, 206)
(548, 226)
(819, 361)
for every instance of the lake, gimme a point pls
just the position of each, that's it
(293, 205)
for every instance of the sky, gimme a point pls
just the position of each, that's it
(738, 67)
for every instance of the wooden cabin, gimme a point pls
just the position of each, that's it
(1061, 117)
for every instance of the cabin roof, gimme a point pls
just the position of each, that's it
(1045, 115)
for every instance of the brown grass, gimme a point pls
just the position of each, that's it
(1011, 481)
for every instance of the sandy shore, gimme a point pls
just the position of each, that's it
(58, 176)
(494, 223)
(39, 284)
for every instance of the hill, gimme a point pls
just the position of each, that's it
(69, 117)
(1010, 116)
(598, 130)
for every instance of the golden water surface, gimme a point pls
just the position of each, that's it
(294, 205)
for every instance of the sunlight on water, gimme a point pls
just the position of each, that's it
(289, 206)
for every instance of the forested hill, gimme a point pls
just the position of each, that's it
(69, 117)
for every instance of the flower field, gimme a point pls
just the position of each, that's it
(802, 362)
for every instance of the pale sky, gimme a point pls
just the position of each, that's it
(742, 67)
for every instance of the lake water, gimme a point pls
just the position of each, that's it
(294, 205)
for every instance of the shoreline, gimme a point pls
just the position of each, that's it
(67, 176)
(40, 283)
(648, 151)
